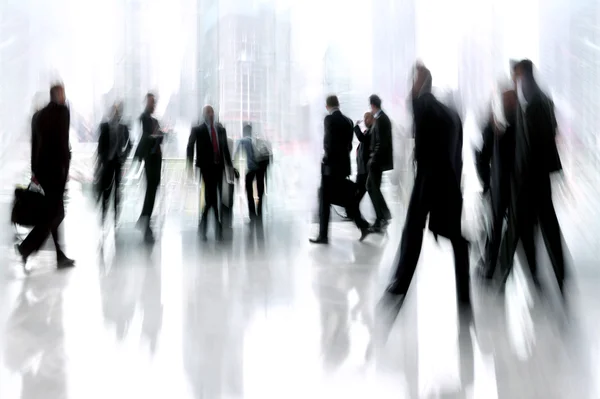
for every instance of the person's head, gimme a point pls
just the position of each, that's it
(57, 94)
(523, 70)
(368, 117)
(150, 102)
(208, 114)
(375, 103)
(117, 110)
(332, 102)
(422, 80)
(247, 131)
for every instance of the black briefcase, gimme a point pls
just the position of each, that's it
(29, 207)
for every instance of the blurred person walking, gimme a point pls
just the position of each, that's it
(536, 157)
(381, 160)
(114, 147)
(209, 142)
(149, 150)
(494, 163)
(336, 188)
(363, 153)
(50, 161)
(437, 188)
(256, 169)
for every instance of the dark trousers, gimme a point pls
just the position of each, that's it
(534, 208)
(361, 183)
(259, 175)
(213, 184)
(111, 182)
(492, 247)
(338, 191)
(409, 251)
(374, 188)
(54, 194)
(152, 170)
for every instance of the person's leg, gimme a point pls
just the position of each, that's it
(152, 167)
(210, 193)
(324, 208)
(461, 269)
(374, 189)
(552, 235)
(509, 243)
(107, 180)
(409, 250)
(492, 249)
(250, 193)
(351, 204)
(118, 170)
(218, 202)
(361, 183)
(260, 187)
(53, 218)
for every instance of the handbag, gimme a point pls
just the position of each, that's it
(29, 206)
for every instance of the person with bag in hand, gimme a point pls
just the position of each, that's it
(50, 160)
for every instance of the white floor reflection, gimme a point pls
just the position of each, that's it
(266, 315)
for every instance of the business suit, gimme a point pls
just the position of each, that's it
(212, 161)
(111, 157)
(381, 160)
(50, 160)
(436, 193)
(150, 152)
(335, 168)
(536, 157)
(363, 154)
(497, 151)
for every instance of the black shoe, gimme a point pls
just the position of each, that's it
(364, 233)
(64, 263)
(319, 240)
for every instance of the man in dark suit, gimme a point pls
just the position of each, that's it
(363, 154)
(381, 160)
(437, 188)
(209, 141)
(536, 157)
(149, 151)
(335, 168)
(494, 164)
(114, 147)
(50, 161)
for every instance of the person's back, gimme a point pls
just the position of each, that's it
(52, 127)
(341, 131)
(438, 138)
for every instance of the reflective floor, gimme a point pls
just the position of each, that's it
(265, 315)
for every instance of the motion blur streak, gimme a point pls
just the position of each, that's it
(262, 314)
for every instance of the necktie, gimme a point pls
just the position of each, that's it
(215, 144)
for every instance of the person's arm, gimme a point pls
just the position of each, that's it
(483, 157)
(359, 134)
(35, 145)
(226, 152)
(327, 138)
(191, 147)
(65, 124)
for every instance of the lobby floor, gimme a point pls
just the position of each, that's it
(266, 315)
